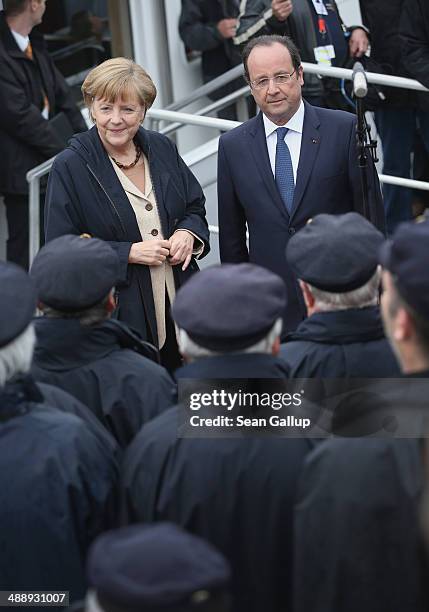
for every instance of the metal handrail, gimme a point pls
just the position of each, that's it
(208, 88)
(309, 68)
(169, 115)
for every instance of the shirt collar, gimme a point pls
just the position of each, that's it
(295, 123)
(21, 41)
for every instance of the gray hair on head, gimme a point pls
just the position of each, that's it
(193, 351)
(16, 357)
(364, 296)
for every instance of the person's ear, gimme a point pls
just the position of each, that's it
(111, 303)
(308, 296)
(403, 326)
(275, 349)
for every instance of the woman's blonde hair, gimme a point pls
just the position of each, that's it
(117, 78)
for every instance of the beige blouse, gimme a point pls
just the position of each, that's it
(147, 215)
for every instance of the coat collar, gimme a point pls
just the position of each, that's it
(89, 146)
(236, 365)
(258, 147)
(310, 144)
(340, 327)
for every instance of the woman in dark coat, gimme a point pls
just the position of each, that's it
(130, 187)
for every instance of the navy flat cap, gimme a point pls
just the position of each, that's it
(229, 307)
(406, 257)
(73, 273)
(335, 253)
(160, 566)
(18, 302)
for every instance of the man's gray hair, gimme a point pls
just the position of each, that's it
(364, 296)
(88, 317)
(16, 357)
(193, 351)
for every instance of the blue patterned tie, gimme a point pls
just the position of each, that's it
(284, 170)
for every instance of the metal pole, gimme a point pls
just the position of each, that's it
(34, 218)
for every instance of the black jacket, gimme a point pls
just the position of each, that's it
(382, 17)
(26, 138)
(256, 18)
(358, 540)
(236, 492)
(57, 488)
(346, 343)
(415, 44)
(99, 366)
(85, 196)
(197, 29)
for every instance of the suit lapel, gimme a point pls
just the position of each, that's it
(258, 146)
(310, 144)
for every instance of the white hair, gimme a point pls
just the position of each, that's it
(15, 357)
(364, 296)
(192, 350)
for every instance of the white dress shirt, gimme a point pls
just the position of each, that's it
(21, 41)
(293, 138)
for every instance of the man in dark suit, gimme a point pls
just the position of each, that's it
(283, 167)
(32, 92)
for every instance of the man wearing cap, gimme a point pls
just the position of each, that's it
(159, 567)
(236, 492)
(359, 499)
(82, 350)
(335, 258)
(57, 474)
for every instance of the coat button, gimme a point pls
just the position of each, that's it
(148, 206)
(154, 232)
(291, 231)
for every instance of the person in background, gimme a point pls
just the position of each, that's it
(130, 187)
(32, 91)
(399, 120)
(82, 350)
(155, 567)
(414, 38)
(335, 258)
(58, 475)
(230, 487)
(209, 26)
(318, 31)
(358, 542)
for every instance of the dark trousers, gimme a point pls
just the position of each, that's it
(397, 130)
(17, 215)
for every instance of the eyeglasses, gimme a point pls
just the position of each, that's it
(279, 79)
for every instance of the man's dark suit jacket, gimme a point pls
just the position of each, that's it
(328, 181)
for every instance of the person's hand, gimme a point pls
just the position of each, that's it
(281, 9)
(227, 27)
(358, 43)
(149, 252)
(181, 247)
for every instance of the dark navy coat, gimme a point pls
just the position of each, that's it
(85, 196)
(328, 181)
(358, 539)
(57, 490)
(346, 343)
(237, 493)
(99, 366)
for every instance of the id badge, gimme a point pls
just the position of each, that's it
(320, 7)
(324, 55)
